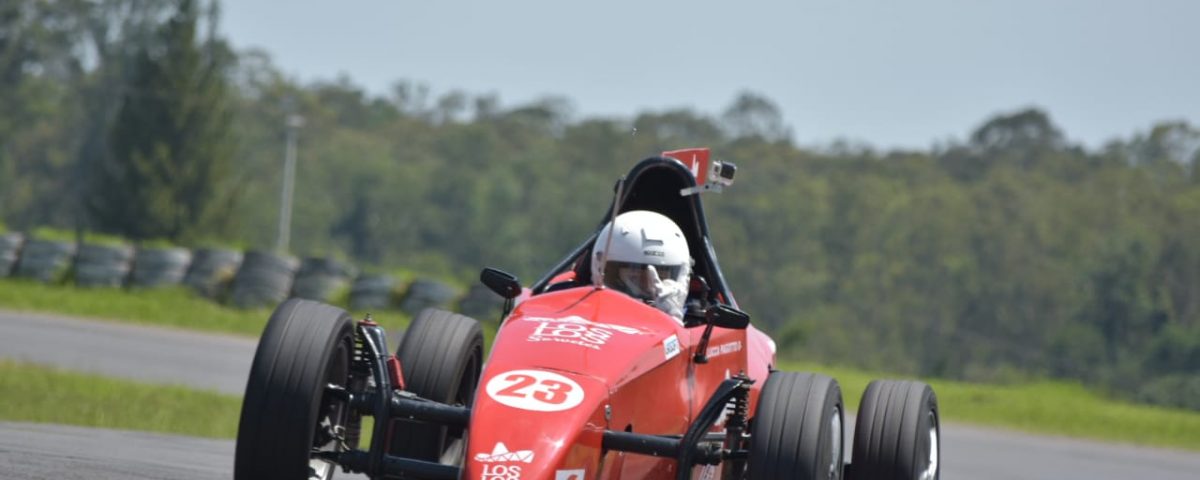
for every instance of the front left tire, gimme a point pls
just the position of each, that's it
(797, 429)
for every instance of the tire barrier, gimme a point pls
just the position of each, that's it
(321, 279)
(46, 261)
(10, 248)
(482, 303)
(154, 267)
(372, 292)
(264, 280)
(103, 265)
(212, 270)
(426, 293)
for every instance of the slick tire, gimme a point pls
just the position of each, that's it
(898, 433)
(797, 428)
(286, 413)
(441, 356)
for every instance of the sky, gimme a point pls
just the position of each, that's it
(890, 73)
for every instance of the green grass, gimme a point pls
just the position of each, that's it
(173, 307)
(53, 234)
(93, 238)
(1047, 407)
(30, 393)
(170, 307)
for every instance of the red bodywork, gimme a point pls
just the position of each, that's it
(572, 362)
(619, 354)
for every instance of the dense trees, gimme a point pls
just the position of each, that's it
(165, 173)
(1012, 253)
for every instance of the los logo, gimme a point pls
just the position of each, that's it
(501, 472)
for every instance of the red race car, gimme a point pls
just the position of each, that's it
(628, 359)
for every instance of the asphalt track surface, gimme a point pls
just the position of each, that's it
(221, 362)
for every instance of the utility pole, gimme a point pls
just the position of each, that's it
(294, 122)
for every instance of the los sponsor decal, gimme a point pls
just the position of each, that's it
(535, 390)
(671, 346)
(576, 330)
(495, 471)
(501, 453)
(572, 474)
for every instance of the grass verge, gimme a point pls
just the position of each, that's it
(1048, 407)
(174, 307)
(32, 393)
(171, 307)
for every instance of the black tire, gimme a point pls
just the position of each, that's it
(797, 429)
(46, 261)
(156, 267)
(102, 265)
(305, 346)
(372, 292)
(10, 249)
(441, 356)
(321, 278)
(898, 433)
(427, 293)
(212, 271)
(264, 279)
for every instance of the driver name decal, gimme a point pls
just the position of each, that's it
(576, 330)
(535, 390)
(723, 349)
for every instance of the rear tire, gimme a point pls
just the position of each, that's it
(285, 413)
(441, 355)
(898, 433)
(797, 429)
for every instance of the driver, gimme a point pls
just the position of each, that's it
(647, 259)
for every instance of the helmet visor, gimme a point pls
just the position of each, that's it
(639, 280)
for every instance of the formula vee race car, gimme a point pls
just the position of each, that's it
(582, 381)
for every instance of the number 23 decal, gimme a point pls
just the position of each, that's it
(535, 390)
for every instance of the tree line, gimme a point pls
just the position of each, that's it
(1013, 252)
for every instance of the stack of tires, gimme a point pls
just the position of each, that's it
(264, 280)
(322, 279)
(480, 302)
(46, 261)
(10, 248)
(372, 292)
(155, 267)
(427, 293)
(212, 270)
(103, 265)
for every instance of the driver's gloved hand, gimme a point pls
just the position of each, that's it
(669, 295)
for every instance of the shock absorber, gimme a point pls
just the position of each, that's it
(735, 427)
(360, 376)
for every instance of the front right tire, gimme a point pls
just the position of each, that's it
(898, 433)
(286, 413)
(441, 356)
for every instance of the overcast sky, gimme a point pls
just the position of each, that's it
(893, 73)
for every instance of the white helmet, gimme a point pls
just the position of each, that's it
(648, 259)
